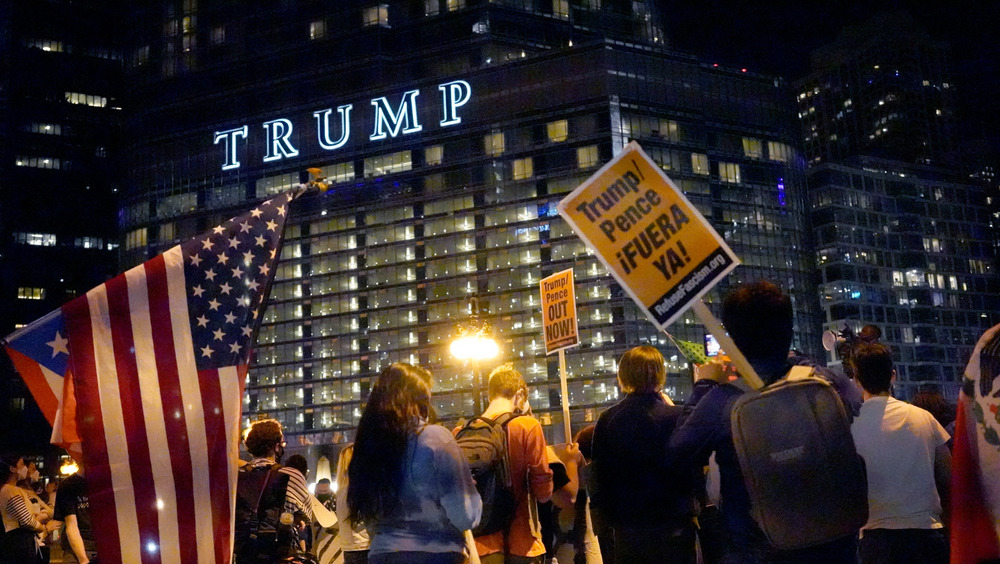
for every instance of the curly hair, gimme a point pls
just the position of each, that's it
(263, 436)
(398, 404)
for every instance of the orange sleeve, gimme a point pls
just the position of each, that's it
(539, 475)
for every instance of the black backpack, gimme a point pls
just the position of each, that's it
(807, 484)
(260, 537)
(484, 443)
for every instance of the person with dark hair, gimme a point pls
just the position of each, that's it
(17, 544)
(939, 407)
(758, 317)
(354, 538)
(908, 461)
(72, 506)
(649, 505)
(409, 483)
(268, 495)
(529, 468)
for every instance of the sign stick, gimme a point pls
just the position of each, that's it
(742, 365)
(564, 388)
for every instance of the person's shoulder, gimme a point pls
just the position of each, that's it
(435, 434)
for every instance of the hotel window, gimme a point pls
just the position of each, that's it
(557, 130)
(135, 239)
(434, 155)
(36, 239)
(88, 242)
(779, 151)
(699, 163)
(493, 143)
(167, 232)
(86, 99)
(276, 184)
(729, 172)
(317, 29)
(586, 157)
(39, 162)
(523, 168)
(377, 15)
(752, 148)
(217, 35)
(560, 8)
(387, 164)
(45, 128)
(48, 45)
(28, 293)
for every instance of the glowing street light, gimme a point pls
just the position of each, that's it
(474, 343)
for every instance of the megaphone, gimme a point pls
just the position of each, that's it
(830, 340)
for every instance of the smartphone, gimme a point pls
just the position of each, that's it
(712, 347)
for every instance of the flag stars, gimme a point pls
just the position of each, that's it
(256, 213)
(234, 242)
(219, 334)
(214, 305)
(223, 258)
(272, 226)
(218, 229)
(248, 258)
(195, 260)
(197, 291)
(245, 227)
(206, 244)
(261, 240)
(235, 348)
(207, 351)
(247, 331)
(202, 321)
(59, 345)
(225, 288)
(264, 269)
(230, 318)
(237, 272)
(281, 211)
(210, 274)
(253, 285)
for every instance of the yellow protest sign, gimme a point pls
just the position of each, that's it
(559, 311)
(648, 234)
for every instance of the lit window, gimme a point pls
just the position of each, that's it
(39, 162)
(89, 242)
(699, 163)
(897, 278)
(377, 15)
(493, 143)
(48, 45)
(455, 5)
(434, 155)
(557, 130)
(560, 8)
(523, 168)
(167, 232)
(36, 239)
(431, 7)
(586, 157)
(779, 151)
(28, 293)
(317, 29)
(135, 239)
(45, 128)
(387, 164)
(729, 172)
(752, 148)
(86, 99)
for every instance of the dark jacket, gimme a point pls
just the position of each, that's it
(634, 482)
(705, 428)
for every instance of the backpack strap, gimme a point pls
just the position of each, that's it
(799, 372)
(271, 471)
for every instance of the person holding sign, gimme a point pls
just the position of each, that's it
(649, 505)
(758, 317)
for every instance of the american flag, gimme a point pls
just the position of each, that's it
(158, 357)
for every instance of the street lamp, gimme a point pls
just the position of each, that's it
(475, 343)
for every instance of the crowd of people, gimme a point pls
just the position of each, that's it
(650, 482)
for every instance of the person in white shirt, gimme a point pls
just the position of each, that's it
(908, 462)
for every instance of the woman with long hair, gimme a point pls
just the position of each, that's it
(17, 544)
(408, 482)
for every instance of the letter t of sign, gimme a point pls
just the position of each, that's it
(278, 145)
(453, 94)
(228, 138)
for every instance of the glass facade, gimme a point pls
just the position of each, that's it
(457, 200)
(910, 251)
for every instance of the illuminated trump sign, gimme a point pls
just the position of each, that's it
(388, 121)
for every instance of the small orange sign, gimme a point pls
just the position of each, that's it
(559, 311)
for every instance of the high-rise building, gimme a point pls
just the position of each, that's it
(60, 83)
(902, 237)
(450, 130)
(882, 89)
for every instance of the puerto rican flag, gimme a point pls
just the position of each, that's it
(149, 368)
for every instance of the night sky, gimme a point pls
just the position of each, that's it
(776, 38)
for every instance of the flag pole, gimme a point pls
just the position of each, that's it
(742, 365)
(564, 389)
